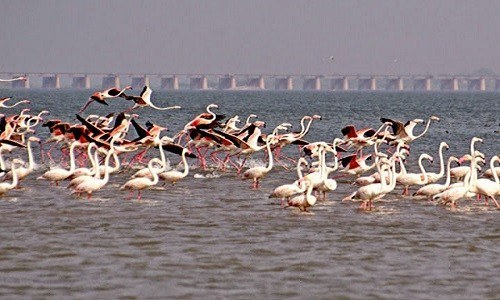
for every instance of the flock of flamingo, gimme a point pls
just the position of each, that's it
(374, 159)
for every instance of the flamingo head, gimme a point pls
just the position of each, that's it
(434, 118)
(23, 78)
(317, 117)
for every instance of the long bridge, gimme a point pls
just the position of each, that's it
(333, 82)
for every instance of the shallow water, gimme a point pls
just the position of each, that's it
(212, 236)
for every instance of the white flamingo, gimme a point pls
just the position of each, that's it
(434, 177)
(142, 183)
(58, 174)
(3, 100)
(409, 179)
(92, 184)
(259, 172)
(22, 171)
(5, 186)
(303, 202)
(173, 176)
(285, 191)
(486, 187)
(432, 189)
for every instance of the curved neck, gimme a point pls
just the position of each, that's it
(153, 172)
(31, 161)
(214, 116)
(270, 154)
(14, 177)
(492, 168)
(185, 164)
(72, 165)
(448, 172)
(441, 161)
(305, 130)
(106, 164)
(422, 169)
(425, 129)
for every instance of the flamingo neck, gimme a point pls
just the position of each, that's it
(154, 174)
(185, 164)
(31, 161)
(14, 177)
(422, 169)
(448, 172)
(441, 162)
(493, 170)
(72, 164)
(304, 131)
(270, 154)
(425, 129)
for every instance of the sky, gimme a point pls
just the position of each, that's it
(250, 36)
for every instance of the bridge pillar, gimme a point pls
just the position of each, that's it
(198, 83)
(367, 84)
(339, 84)
(422, 84)
(312, 84)
(81, 82)
(21, 84)
(227, 82)
(285, 83)
(110, 81)
(51, 82)
(139, 82)
(394, 84)
(170, 83)
(449, 84)
(477, 84)
(257, 82)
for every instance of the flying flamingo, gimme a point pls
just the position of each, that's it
(404, 132)
(23, 78)
(144, 100)
(106, 94)
(3, 100)
(142, 183)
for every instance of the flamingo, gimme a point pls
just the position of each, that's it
(455, 193)
(434, 177)
(408, 179)
(23, 78)
(58, 174)
(375, 191)
(173, 176)
(432, 189)
(144, 100)
(21, 171)
(92, 184)
(5, 186)
(142, 183)
(259, 172)
(3, 100)
(303, 202)
(285, 191)
(486, 187)
(106, 94)
(404, 132)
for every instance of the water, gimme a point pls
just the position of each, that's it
(211, 236)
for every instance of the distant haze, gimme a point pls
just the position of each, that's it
(257, 37)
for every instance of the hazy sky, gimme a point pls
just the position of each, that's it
(236, 36)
